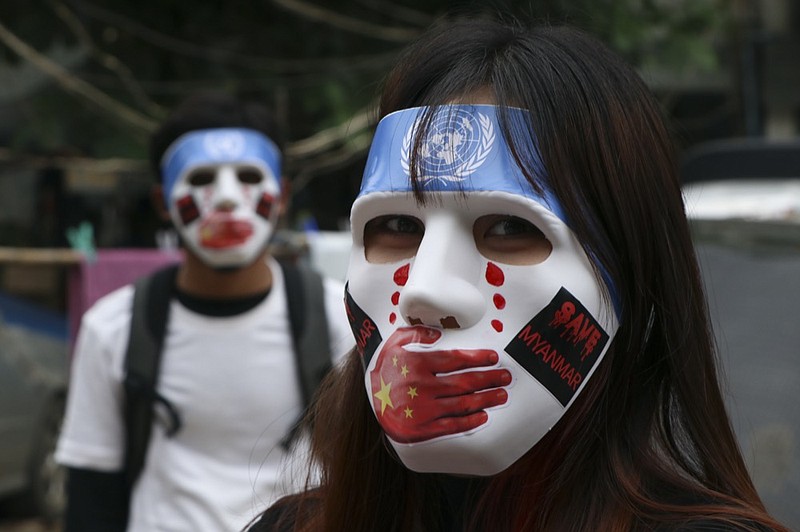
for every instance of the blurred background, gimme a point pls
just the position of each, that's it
(83, 82)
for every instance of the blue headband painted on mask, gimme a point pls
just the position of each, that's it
(462, 151)
(218, 146)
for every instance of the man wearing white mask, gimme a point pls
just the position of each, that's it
(228, 394)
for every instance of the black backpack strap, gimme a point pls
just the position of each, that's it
(305, 298)
(149, 316)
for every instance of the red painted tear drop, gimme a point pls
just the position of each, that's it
(494, 275)
(401, 275)
(499, 302)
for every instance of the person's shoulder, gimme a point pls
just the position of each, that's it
(105, 324)
(111, 306)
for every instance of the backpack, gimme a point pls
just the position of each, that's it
(150, 314)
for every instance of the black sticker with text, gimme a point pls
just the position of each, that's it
(560, 345)
(368, 338)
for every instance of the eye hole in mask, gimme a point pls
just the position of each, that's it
(250, 176)
(392, 237)
(201, 177)
(510, 240)
(498, 237)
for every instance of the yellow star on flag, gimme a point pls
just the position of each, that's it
(412, 391)
(384, 395)
(404, 370)
(394, 360)
(409, 413)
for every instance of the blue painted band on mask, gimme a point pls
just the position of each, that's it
(218, 146)
(464, 151)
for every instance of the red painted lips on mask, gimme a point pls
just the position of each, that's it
(221, 230)
(416, 398)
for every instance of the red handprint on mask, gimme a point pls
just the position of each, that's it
(414, 402)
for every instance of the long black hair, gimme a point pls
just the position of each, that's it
(648, 444)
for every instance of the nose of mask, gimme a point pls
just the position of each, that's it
(441, 290)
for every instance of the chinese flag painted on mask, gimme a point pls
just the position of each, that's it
(415, 396)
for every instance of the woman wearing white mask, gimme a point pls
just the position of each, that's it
(533, 346)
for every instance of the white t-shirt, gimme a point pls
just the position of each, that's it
(234, 382)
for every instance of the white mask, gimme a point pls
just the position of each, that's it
(222, 191)
(469, 361)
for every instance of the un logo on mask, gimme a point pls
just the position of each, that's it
(455, 144)
(224, 145)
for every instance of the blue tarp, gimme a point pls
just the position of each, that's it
(16, 311)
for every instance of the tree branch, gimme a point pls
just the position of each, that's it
(329, 162)
(75, 85)
(326, 138)
(220, 55)
(412, 16)
(367, 29)
(109, 61)
(109, 165)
